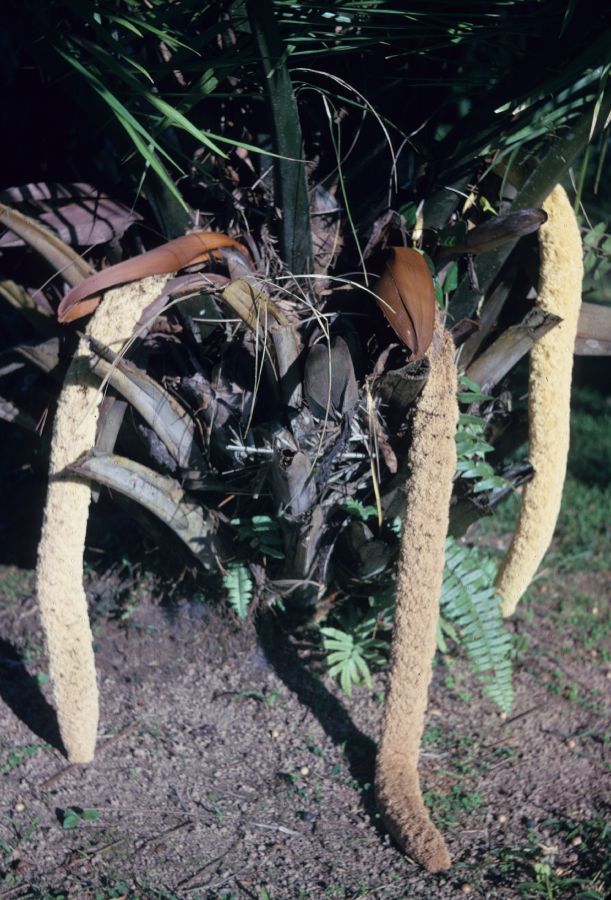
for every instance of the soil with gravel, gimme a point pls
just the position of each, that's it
(227, 767)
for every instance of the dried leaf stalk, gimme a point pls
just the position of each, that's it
(59, 573)
(432, 463)
(549, 393)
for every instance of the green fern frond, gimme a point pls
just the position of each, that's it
(359, 510)
(239, 587)
(468, 599)
(349, 655)
(471, 444)
(263, 534)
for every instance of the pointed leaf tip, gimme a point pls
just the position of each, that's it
(406, 296)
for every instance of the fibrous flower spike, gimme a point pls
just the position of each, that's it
(432, 463)
(59, 573)
(549, 395)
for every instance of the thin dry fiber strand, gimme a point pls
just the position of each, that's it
(549, 395)
(59, 573)
(432, 464)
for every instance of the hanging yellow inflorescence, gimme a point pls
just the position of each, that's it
(432, 464)
(549, 394)
(59, 574)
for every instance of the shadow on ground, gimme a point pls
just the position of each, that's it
(359, 749)
(22, 694)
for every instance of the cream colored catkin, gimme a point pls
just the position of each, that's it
(432, 464)
(59, 573)
(549, 395)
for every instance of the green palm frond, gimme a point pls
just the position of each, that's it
(291, 191)
(498, 77)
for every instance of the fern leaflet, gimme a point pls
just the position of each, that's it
(238, 584)
(469, 600)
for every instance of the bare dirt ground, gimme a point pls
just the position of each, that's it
(228, 768)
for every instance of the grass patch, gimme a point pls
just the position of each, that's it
(583, 618)
(15, 585)
(12, 757)
(582, 534)
(448, 807)
(590, 451)
(572, 861)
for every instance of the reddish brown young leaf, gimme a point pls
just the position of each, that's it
(406, 296)
(170, 257)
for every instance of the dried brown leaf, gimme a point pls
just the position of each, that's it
(407, 298)
(169, 257)
(495, 232)
(329, 382)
